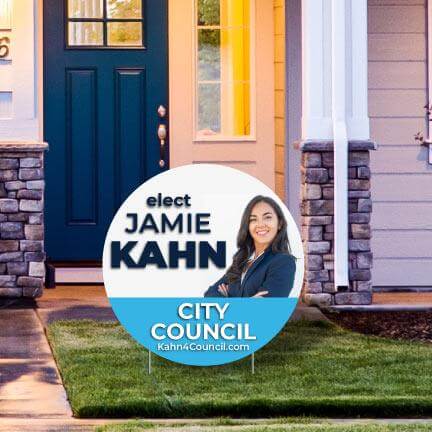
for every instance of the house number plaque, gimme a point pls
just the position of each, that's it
(4, 47)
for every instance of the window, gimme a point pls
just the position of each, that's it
(223, 68)
(105, 23)
(5, 15)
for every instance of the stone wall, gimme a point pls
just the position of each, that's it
(22, 255)
(317, 209)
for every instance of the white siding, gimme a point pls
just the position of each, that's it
(18, 73)
(401, 175)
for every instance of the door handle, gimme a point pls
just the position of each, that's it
(162, 135)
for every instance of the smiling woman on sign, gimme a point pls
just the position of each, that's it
(262, 265)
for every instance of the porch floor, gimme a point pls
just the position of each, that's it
(410, 298)
(74, 302)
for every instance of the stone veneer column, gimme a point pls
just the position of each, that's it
(317, 209)
(22, 255)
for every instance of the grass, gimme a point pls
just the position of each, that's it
(316, 427)
(310, 368)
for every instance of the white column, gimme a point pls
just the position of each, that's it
(318, 28)
(316, 62)
(335, 95)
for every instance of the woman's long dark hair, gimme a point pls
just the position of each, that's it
(245, 242)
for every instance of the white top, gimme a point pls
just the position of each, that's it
(250, 260)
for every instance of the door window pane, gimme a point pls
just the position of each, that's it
(209, 114)
(208, 12)
(124, 33)
(223, 62)
(122, 9)
(105, 23)
(85, 33)
(209, 55)
(85, 8)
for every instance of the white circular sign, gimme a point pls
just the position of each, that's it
(174, 237)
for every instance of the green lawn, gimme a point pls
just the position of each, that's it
(311, 368)
(316, 427)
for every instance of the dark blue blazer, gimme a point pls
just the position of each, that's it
(272, 272)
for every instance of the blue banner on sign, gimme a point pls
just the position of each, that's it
(203, 332)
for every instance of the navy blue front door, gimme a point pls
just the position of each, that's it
(105, 75)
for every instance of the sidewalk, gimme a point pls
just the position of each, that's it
(185, 425)
(182, 425)
(32, 397)
(30, 385)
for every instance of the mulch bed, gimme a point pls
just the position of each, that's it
(396, 325)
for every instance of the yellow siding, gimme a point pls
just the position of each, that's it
(236, 49)
(279, 71)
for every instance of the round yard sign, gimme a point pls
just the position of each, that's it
(203, 264)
